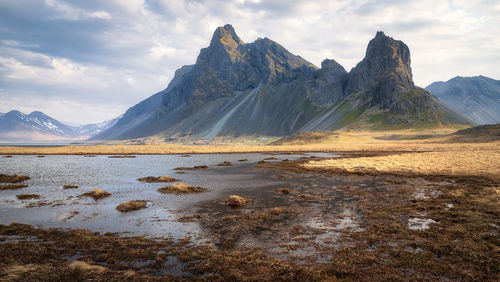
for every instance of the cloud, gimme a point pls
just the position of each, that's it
(95, 54)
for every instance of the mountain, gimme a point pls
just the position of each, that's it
(88, 130)
(259, 88)
(37, 126)
(15, 125)
(476, 97)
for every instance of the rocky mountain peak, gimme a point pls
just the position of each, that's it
(385, 54)
(226, 35)
(385, 69)
(332, 65)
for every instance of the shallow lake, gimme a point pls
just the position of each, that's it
(63, 208)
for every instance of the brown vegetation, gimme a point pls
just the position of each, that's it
(6, 178)
(27, 196)
(341, 141)
(191, 168)
(132, 205)
(453, 163)
(121, 157)
(243, 160)
(284, 191)
(153, 179)
(97, 194)
(70, 186)
(181, 188)
(225, 163)
(12, 186)
(235, 201)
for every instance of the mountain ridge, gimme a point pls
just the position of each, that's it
(259, 88)
(35, 126)
(476, 97)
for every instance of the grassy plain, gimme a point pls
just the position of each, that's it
(401, 205)
(405, 140)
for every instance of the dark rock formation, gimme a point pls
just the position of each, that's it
(260, 88)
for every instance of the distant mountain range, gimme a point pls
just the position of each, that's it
(260, 88)
(36, 126)
(476, 97)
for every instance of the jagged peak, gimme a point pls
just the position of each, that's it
(380, 33)
(330, 64)
(226, 35)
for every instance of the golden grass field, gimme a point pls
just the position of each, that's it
(438, 153)
(479, 161)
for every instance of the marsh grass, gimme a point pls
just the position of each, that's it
(181, 188)
(153, 179)
(97, 194)
(12, 186)
(235, 201)
(14, 178)
(27, 196)
(132, 205)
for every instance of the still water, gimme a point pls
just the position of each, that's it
(62, 208)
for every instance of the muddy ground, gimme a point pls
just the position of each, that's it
(334, 224)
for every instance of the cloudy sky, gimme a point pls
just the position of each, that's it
(85, 61)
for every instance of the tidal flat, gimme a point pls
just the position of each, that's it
(304, 217)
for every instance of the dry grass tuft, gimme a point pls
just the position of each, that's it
(132, 205)
(27, 196)
(181, 188)
(15, 178)
(235, 201)
(12, 186)
(97, 194)
(70, 186)
(225, 163)
(191, 168)
(152, 179)
(243, 160)
(83, 266)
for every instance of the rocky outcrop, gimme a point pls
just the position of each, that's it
(477, 98)
(259, 88)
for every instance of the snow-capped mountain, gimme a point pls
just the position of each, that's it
(95, 128)
(37, 126)
(16, 125)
